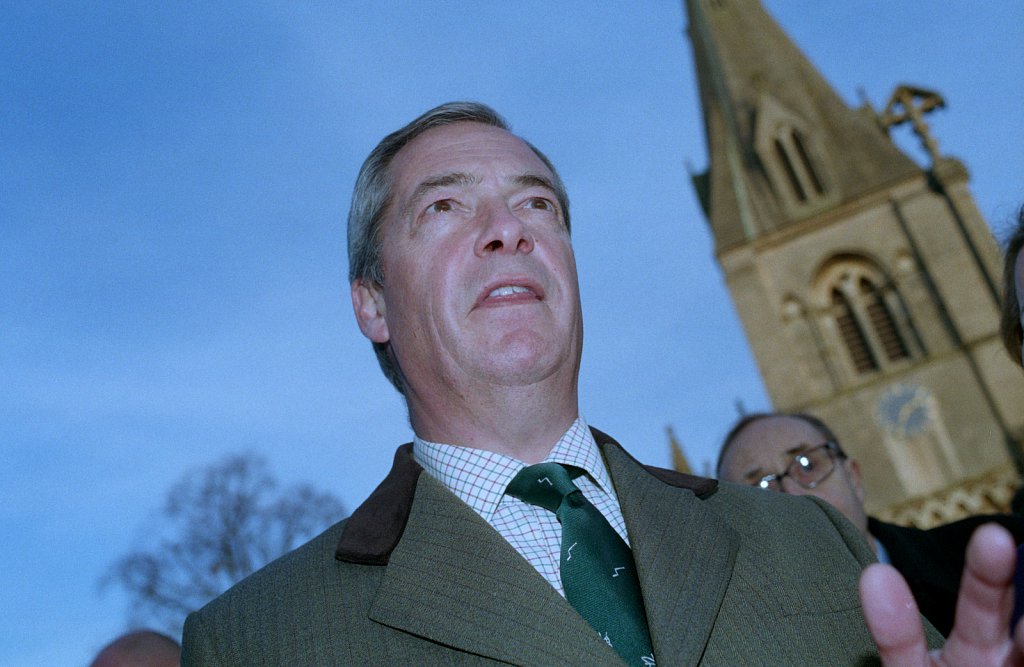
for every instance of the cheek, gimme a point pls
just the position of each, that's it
(844, 502)
(402, 292)
(565, 265)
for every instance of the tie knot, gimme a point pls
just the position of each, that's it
(543, 484)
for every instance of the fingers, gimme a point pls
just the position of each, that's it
(981, 627)
(892, 616)
(980, 633)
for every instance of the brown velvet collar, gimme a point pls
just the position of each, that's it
(373, 530)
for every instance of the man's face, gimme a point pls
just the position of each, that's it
(479, 275)
(768, 446)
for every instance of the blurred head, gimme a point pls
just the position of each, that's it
(372, 199)
(141, 648)
(796, 454)
(1013, 291)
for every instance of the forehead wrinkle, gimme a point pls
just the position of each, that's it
(803, 447)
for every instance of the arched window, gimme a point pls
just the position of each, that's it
(791, 155)
(801, 152)
(787, 168)
(882, 322)
(855, 341)
(794, 159)
(864, 311)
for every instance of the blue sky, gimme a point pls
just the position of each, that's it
(174, 179)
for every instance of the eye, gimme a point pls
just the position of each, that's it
(540, 203)
(441, 206)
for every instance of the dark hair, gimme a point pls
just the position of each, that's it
(372, 194)
(747, 420)
(1009, 323)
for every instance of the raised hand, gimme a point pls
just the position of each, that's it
(980, 635)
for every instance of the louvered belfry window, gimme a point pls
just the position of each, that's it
(863, 307)
(882, 322)
(857, 347)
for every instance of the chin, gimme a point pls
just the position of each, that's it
(526, 357)
(518, 366)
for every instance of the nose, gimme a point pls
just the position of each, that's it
(502, 231)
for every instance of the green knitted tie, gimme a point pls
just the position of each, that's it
(597, 567)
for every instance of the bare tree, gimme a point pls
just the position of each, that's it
(222, 523)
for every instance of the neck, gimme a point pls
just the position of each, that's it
(522, 422)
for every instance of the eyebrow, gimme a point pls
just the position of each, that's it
(533, 180)
(436, 182)
(446, 180)
(801, 448)
(756, 473)
(462, 179)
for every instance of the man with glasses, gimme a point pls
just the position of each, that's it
(799, 454)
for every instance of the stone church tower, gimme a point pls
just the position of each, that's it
(866, 284)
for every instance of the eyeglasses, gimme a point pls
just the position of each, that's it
(809, 468)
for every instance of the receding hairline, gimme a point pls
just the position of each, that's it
(747, 421)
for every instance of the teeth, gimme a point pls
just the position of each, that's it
(509, 290)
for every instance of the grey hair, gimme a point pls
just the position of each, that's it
(372, 195)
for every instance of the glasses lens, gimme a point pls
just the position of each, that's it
(811, 467)
(769, 482)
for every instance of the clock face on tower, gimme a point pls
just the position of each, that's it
(905, 410)
(916, 439)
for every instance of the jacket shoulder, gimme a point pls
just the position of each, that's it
(279, 609)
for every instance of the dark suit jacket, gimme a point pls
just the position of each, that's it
(932, 561)
(730, 576)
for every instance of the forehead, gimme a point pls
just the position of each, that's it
(768, 441)
(464, 147)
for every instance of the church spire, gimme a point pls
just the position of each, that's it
(782, 145)
(859, 276)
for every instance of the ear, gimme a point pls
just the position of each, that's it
(370, 309)
(853, 470)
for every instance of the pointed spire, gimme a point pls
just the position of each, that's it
(679, 462)
(782, 144)
(700, 33)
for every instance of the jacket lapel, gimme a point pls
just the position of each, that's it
(684, 555)
(454, 580)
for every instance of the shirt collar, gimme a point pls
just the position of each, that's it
(480, 477)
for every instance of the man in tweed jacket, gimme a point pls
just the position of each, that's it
(463, 278)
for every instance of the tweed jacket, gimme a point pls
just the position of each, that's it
(730, 576)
